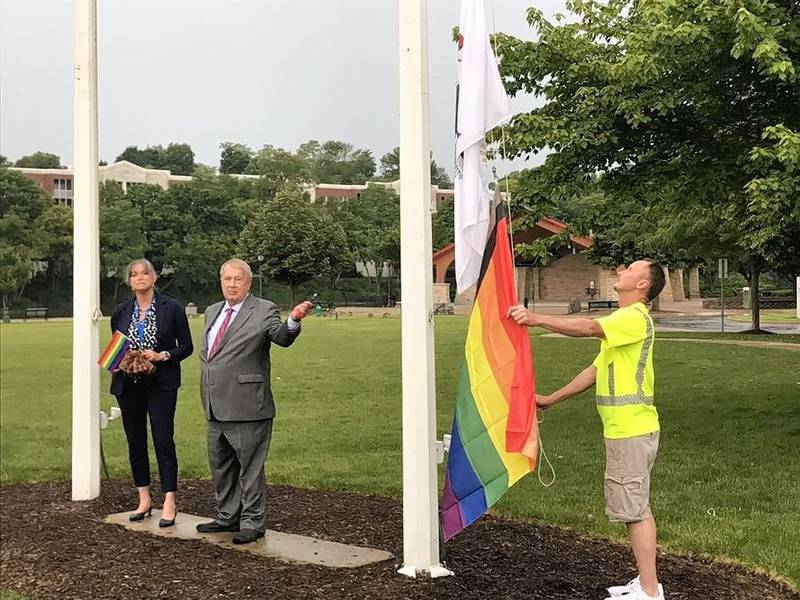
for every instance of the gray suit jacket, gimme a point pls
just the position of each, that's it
(235, 383)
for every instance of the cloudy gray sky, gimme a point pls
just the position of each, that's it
(207, 71)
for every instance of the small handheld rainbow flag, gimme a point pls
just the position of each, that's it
(115, 351)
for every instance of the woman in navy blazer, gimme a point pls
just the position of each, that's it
(157, 326)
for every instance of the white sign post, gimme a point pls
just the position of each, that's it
(86, 262)
(722, 273)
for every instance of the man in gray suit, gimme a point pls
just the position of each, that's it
(237, 399)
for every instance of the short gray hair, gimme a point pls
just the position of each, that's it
(148, 267)
(239, 264)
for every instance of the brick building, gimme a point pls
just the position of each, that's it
(58, 182)
(564, 279)
(340, 191)
(569, 276)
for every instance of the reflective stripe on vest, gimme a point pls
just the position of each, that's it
(638, 398)
(624, 400)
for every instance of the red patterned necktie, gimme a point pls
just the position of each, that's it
(221, 333)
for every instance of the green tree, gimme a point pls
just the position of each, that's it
(22, 205)
(21, 197)
(40, 160)
(390, 170)
(387, 249)
(235, 158)
(162, 221)
(186, 231)
(54, 233)
(442, 224)
(15, 271)
(337, 162)
(371, 223)
(439, 176)
(378, 210)
(278, 168)
(675, 102)
(122, 237)
(205, 237)
(297, 241)
(772, 221)
(150, 157)
(177, 158)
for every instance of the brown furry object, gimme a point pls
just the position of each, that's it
(134, 363)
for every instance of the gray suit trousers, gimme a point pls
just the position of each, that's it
(237, 451)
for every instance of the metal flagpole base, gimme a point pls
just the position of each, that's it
(434, 572)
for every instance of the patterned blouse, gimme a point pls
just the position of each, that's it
(143, 334)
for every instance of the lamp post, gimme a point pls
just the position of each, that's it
(260, 260)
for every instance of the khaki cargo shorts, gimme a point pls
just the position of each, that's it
(627, 478)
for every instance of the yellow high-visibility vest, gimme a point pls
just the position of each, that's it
(625, 379)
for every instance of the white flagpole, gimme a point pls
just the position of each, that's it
(420, 508)
(86, 262)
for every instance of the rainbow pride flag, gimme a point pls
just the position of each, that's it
(494, 440)
(115, 351)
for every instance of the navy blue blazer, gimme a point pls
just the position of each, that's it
(173, 337)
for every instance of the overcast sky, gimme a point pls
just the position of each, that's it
(251, 71)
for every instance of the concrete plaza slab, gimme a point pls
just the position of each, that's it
(287, 547)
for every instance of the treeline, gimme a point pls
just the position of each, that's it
(294, 246)
(332, 161)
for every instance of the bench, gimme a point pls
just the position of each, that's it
(598, 304)
(364, 304)
(35, 313)
(443, 308)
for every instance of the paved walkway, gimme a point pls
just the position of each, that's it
(756, 344)
(752, 343)
(275, 544)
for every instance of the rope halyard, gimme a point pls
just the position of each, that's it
(542, 453)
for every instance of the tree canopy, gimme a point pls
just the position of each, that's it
(23, 208)
(40, 160)
(177, 158)
(292, 241)
(390, 170)
(688, 111)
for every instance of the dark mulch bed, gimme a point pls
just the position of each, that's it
(55, 548)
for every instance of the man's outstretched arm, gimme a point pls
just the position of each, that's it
(582, 381)
(580, 327)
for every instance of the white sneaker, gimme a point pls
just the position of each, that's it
(631, 586)
(638, 594)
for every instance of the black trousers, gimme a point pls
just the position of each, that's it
(136, 402)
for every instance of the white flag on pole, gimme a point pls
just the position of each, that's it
(481, 105)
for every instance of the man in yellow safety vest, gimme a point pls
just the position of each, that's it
(623, 378)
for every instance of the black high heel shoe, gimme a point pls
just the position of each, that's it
(168, 522)
(139, 516)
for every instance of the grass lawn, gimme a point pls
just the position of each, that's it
(783, 338)
(725, 483)
(771, 316)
